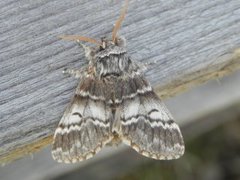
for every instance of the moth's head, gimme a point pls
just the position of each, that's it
(104, 43)
(109, 43)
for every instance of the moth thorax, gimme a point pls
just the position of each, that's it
(113, 64)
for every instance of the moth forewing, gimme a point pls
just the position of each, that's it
(82, 131)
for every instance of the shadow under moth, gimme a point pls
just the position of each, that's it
(114, 103)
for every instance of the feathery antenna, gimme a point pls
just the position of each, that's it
(119, 21)
(79, 38)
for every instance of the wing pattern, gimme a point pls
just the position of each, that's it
(83, 130)
(149, 128)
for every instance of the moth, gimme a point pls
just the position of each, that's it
(114, 103)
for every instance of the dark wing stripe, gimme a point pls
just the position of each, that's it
(123, 88)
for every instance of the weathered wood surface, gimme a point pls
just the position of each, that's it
(192, 42)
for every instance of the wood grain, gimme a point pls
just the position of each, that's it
(191, 42)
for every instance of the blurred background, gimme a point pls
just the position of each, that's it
(209, 116)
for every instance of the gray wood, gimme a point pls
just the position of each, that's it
(191, 42)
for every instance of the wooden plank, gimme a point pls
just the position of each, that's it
(191, 42)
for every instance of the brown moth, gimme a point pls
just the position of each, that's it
(114, 103)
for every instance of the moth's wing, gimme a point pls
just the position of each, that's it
(147, 125)
(83, 129)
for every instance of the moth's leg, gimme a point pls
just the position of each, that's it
(145, 66)
(77, 73)
(87, 50)
(150, 64)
